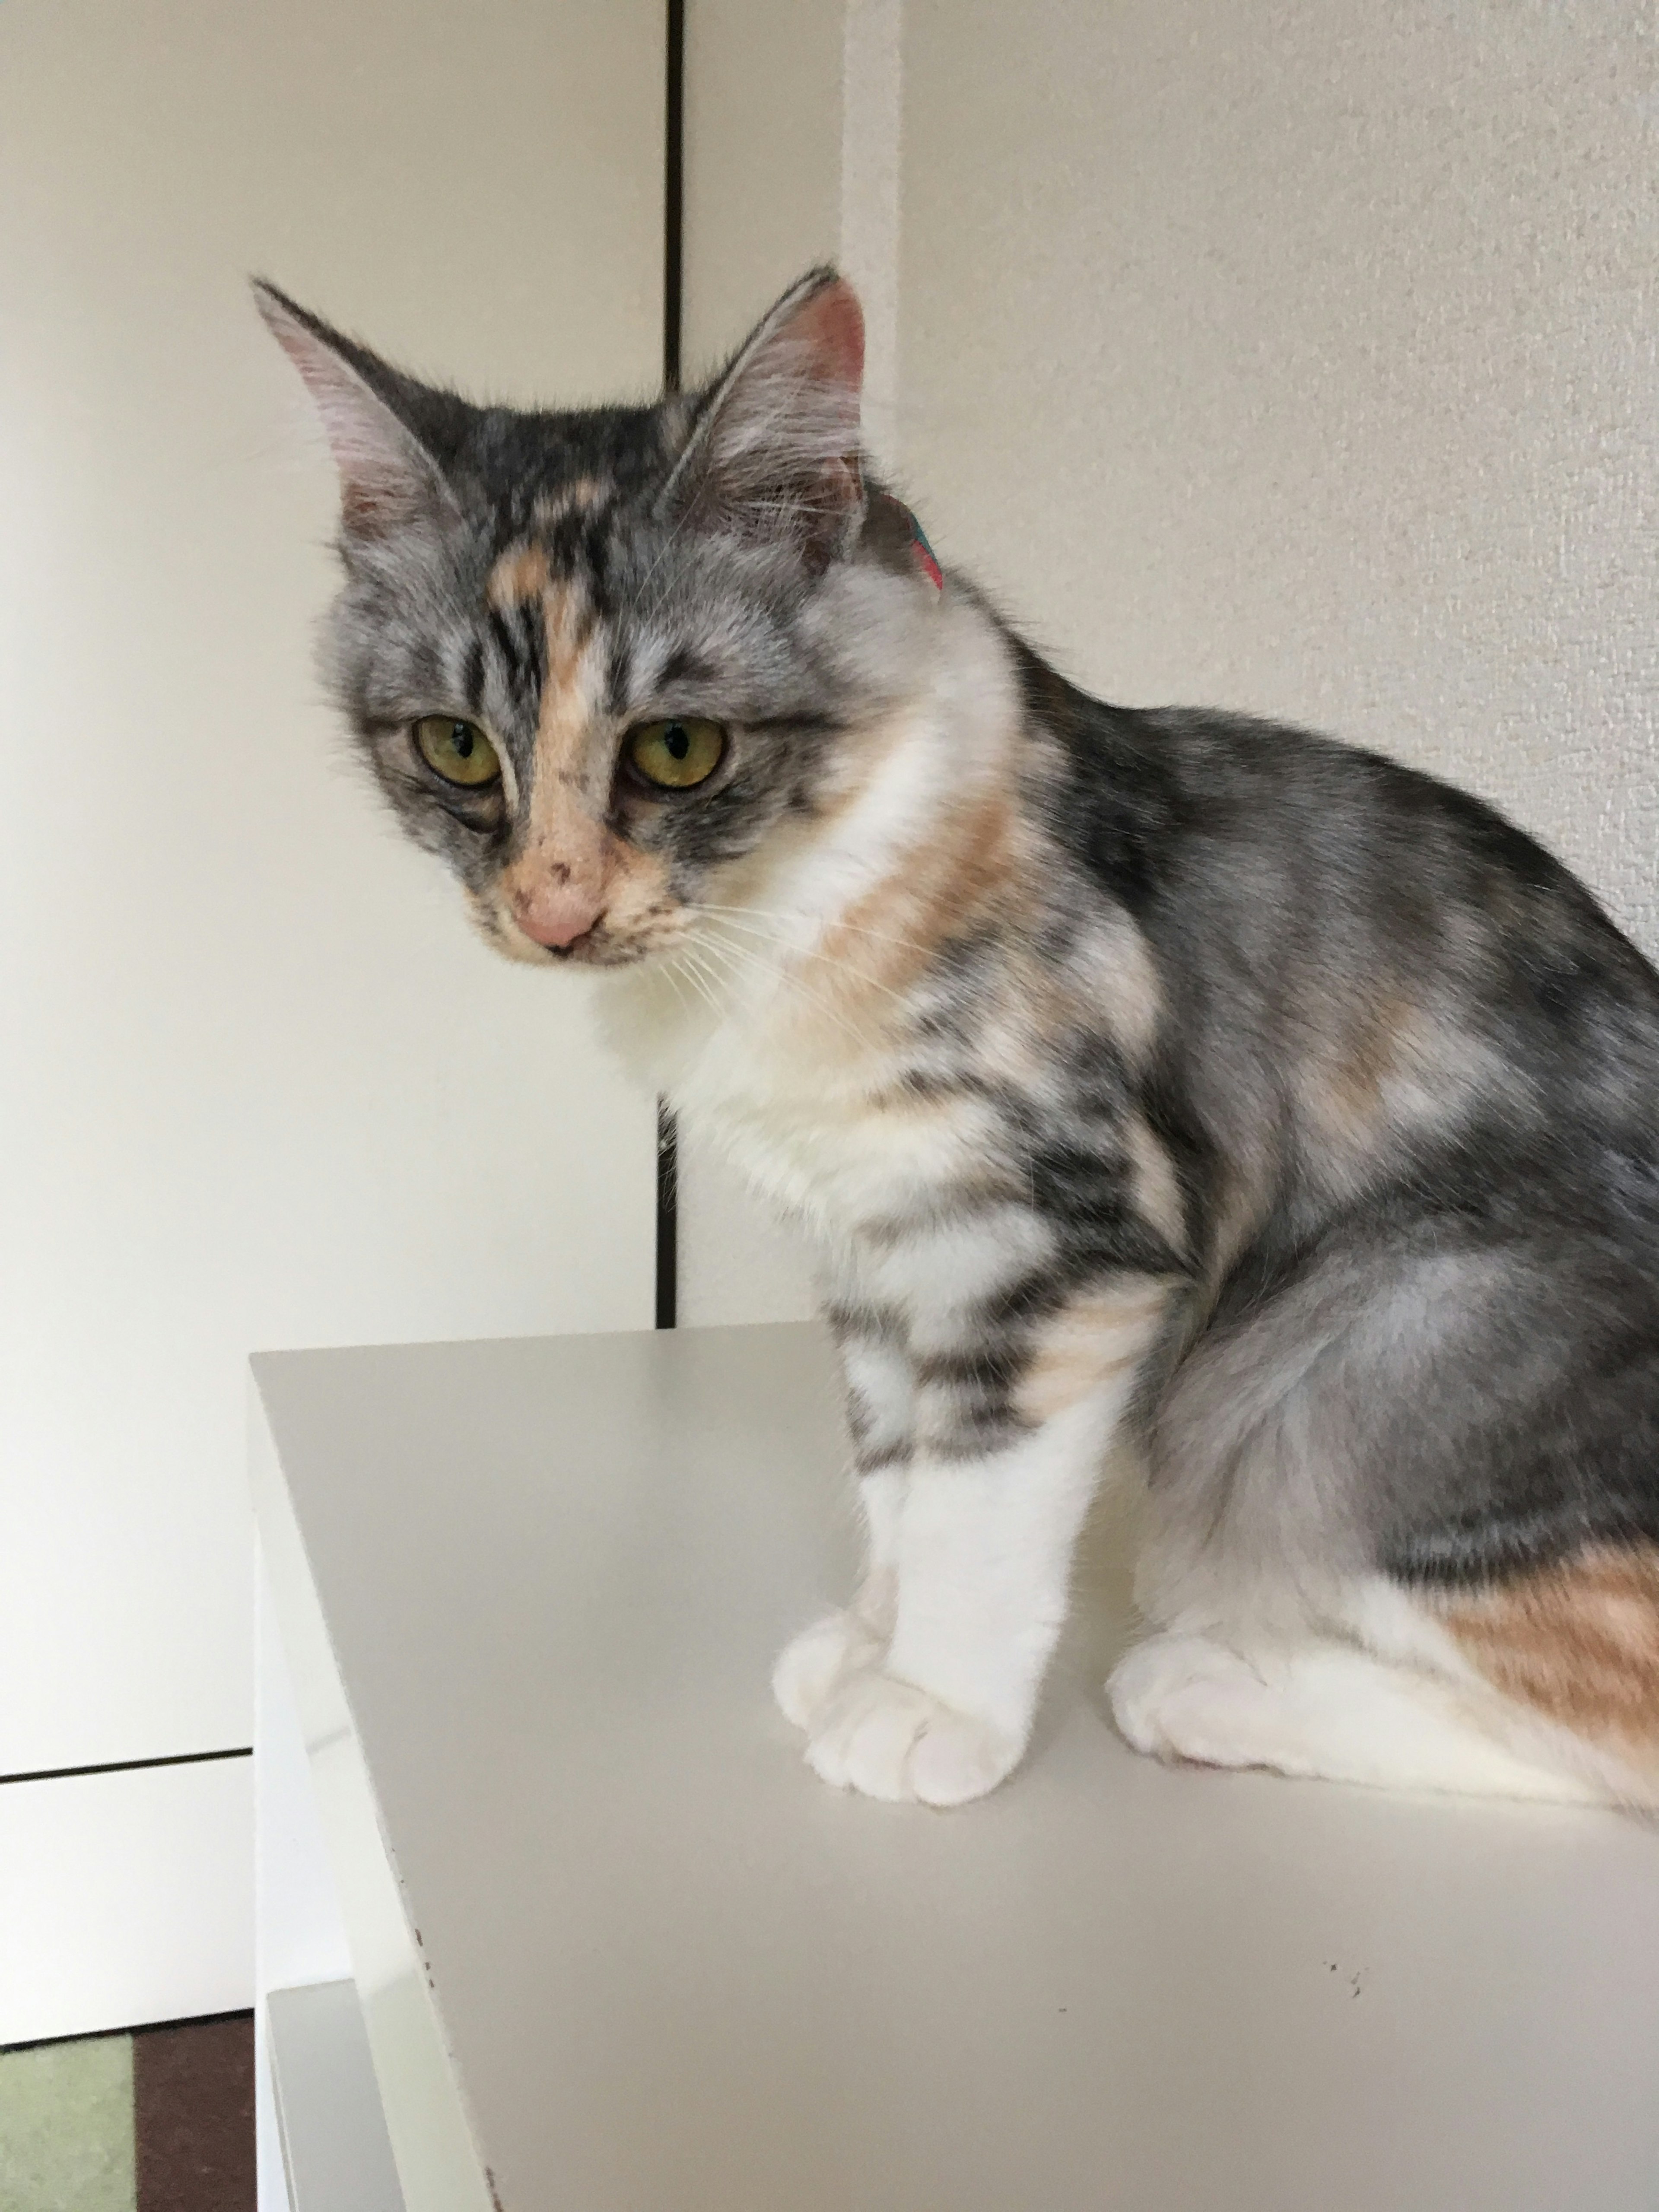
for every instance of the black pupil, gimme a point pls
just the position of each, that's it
(677, 740)
(461, 738)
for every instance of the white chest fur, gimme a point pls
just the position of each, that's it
(749, 1034)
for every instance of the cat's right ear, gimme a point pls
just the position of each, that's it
(774, 451)
(388, 482)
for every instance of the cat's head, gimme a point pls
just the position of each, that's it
(603, 662)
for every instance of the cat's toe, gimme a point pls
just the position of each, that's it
(887, 1739)
(1185, 1697)
(863, 1740)
(956, 1760)
(812, 1668)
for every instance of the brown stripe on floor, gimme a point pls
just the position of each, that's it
(192, 2096)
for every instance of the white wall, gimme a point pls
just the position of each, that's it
(261, 1087)
(1303, 359)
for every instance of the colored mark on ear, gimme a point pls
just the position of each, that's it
(926, 560)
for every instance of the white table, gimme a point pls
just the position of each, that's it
(528, 1595)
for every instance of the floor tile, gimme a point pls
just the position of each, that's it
(66, 2141)
(193, 2108)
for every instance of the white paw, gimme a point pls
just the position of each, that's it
(812, 1668)
(889, 1739)
(1183, 1697)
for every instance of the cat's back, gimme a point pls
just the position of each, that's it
(1291, 846)
(1358, 963)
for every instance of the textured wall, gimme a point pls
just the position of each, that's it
(1301, 358)
(1298, 358)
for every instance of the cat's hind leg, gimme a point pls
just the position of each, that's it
(1571, 1648)
(1344, 1485)
(1325, 1707)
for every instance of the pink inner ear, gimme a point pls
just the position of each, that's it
(385, 480)
(830, 325)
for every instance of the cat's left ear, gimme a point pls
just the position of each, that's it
(773, 453)
(388, 481)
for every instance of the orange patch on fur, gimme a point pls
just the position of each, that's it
(566, 840)
(519, 574)
(897, 928)
(1346, 1092)
(579, 495)
(637, 893)
(1086, 1344)
(570, 623)
(564, 723)
(1157, 1188)
(1133, 1002)
(1578, 1642)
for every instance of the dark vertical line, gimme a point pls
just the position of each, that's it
(673, 237)
(668, 1217)
(673, 197)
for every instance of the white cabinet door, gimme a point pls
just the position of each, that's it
(261, 1085)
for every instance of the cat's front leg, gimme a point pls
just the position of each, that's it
(1010, 1441)
(880, 1415)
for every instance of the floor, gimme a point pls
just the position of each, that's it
(160, 2120)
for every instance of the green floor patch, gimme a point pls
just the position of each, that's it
(66, 2127)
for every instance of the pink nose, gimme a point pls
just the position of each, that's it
(556, 913)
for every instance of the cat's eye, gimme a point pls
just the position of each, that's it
(676, 754)
(458, 751)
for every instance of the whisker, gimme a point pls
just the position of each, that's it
(741, 955)
(796, 978)
(805, 953)
(702, 979)
(859, 929)
(685, 964)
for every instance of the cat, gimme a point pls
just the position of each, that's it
(1164, 1076)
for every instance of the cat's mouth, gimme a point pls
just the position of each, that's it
(603, 946)
(599, 950)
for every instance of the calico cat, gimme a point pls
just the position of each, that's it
(1167, 1074)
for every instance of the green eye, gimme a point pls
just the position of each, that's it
(458, 751)
(676, 754)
